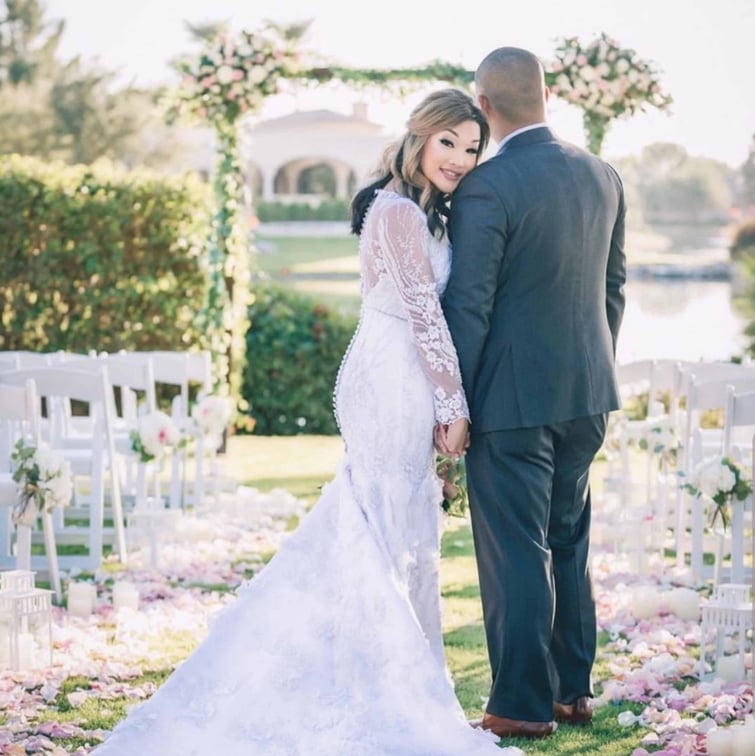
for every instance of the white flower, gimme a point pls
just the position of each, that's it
(157, 432)
(726, 478)
(59, 489)
(257, 74)
(48, 461)
(225, 74)
(213, 414)
(706, 476)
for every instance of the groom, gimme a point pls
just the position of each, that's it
(534, 305)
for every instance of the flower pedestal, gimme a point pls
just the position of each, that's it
(25, 622)
(729, 612)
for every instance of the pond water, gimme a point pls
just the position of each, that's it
(680, 319)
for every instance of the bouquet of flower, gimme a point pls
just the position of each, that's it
(44, 479)
(606, 81)
(231, 77)
(155, 434)
(453, 474)
(658, 437)
(719, 479)
(212, 415)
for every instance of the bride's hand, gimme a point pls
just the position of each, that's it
(457, 437)
(439, 438)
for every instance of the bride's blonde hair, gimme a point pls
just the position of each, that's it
(440, 110)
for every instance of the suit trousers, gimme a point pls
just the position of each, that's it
(530, 508)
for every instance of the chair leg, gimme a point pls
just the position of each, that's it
(52, 555)
(23, 547)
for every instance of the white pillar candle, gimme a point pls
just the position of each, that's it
(25, 651)
(125, 595)
(644, 602)
(743, 738)
(685, 603)
(81, 597)
(719, 742)
(4, 645)
(730, 668)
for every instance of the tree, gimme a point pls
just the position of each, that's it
(71, 110)
(28, 43)
(675, 187)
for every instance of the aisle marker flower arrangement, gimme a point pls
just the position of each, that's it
(658, 438)
(212, 414)
(606, 81)
(44, 479)
(155, 434)
(720, 480)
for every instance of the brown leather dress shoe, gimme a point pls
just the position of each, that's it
(517, 728)
(578, 713)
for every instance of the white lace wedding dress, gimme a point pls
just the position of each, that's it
(335, 649)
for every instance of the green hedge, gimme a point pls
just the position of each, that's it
(95, 257)
(294, 349)
(328, 210)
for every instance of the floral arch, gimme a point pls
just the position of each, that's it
(231, 77)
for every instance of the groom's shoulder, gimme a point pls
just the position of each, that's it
(598, 163)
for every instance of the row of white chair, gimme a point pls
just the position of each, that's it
(98, 445)
(692, 393)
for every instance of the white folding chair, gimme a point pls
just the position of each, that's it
(92, 455)
(701, 394)
(738, 438)
(182, 370)
(626, 499)
(20, 419)
(9, 361)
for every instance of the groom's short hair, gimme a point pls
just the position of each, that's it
(513, 81)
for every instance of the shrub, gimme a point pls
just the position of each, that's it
(95, 257)
(327, 210)
(294, 349)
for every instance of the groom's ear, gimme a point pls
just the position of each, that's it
(484, 104)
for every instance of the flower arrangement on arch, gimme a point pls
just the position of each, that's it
(606, 81)
(44, 479)
(232, 76)
(155, 434)
(720, 479)
(453, 474)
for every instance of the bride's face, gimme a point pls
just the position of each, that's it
(450, 154)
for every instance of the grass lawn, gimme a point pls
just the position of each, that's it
(281, 254)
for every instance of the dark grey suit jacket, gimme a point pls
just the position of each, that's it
(535, 298)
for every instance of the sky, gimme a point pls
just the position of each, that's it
(703, 49)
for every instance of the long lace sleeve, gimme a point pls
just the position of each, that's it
(403, 240)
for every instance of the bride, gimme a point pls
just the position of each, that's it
(336, 648)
